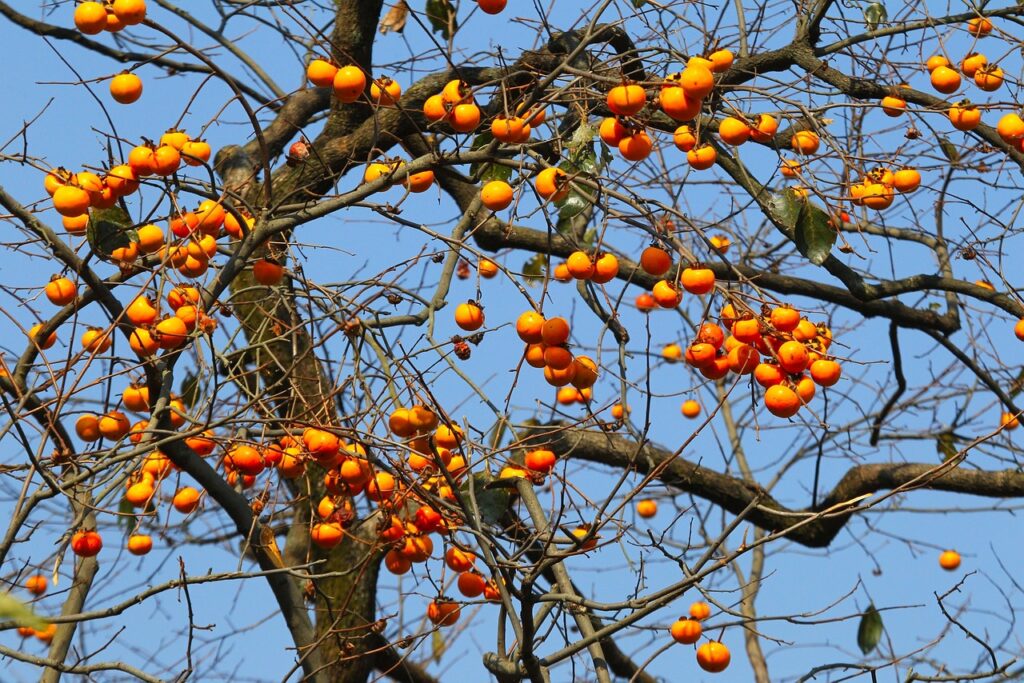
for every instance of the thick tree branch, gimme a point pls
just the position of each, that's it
(735, 495)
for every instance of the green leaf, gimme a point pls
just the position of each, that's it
(109, 229)
(14, 610)
(582, 157)
(442, 17)
(639, 3)
(189, 390)
(487, 171)
(945, 446)
(870, 630)
(810, 226)
(492, 502)
(949, 150)
(1016, 385)
(437, 646)
(875, 14)
(533, 269)
(126, 515)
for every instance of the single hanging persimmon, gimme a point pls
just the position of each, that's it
(126, 88)
(496, 195)
(491, 6)
(469, 316)
(61, 291)
(713, 657)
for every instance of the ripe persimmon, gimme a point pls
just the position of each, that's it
(945, 80)
(443, 612)
(552, 184)
(469, 316)
(580, 265)
(540, 460)
(612, 131)
(764, 128)
(384, 91)
(721, 60)
(36, 584)
(196, 152)
(186, 500)
(686, 631)
(349, 83)
(684, 139)
(655, 261)
(139, 544)
(529, 327)
(697, 80)
(86, 543)
(700, 610)
(690, 409)
(702, 158)
(989, 77)
(781, 401)
(61, 291)
(733, 130)
(126, 87)
(555, 331)
(964, 116)
(464, 117)
(979, 27)
(713, 657)
(666, 294)
(697, 280)
(893, 106)
(805, 142)
(326, 535)
(90, 18)
(636, 147)
(626, 99)
(321, 73)
(949, 560)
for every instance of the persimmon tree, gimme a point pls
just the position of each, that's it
(535, 342)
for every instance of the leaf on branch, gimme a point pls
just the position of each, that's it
(569, 209)
(533, 269)
(639, 3)
(945, 446)
(126, 515)
(875, 15)
(442, 17)
(870, 630)
(189, 390)
(396, 17)
(14, 610)
(485, 170)
(491, 502)
(809, 225)
(437, 646)
(949, 150)
(109, 229)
